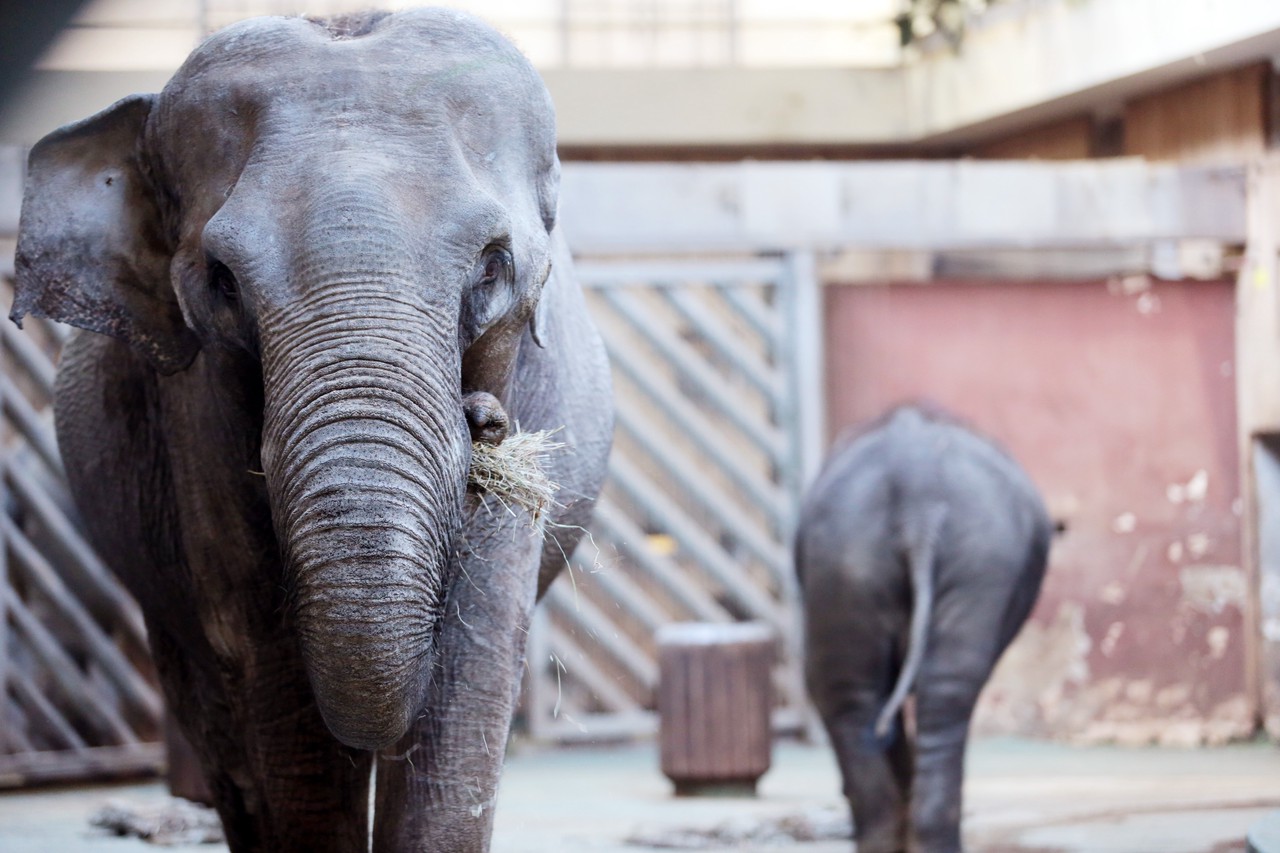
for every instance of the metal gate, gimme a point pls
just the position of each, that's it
(77, 693)
(717, 393)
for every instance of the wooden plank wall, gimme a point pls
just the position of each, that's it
(1064, 140)
(1218, 119)
(1222, 118)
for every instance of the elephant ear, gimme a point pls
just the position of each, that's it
(91, 251)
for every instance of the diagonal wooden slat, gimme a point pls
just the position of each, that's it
(756, 313)
(736, 584)
(90, 572)
(629, 597)
(41, 575)
(66, 675)
(693, 426)
(693, 369)
(29, 357)
(627, 536)
(580, 610)
(30, 426)
(693, 485)
(579, 666)
(747, 363)
(35, 702)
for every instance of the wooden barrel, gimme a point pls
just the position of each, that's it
(714, 701)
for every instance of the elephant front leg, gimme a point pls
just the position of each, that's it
(437, 788)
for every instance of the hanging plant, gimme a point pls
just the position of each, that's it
(920, 19)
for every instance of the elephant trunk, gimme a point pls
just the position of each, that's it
(365, 450)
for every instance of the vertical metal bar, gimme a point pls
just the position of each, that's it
(802, 297)
(537, 655)
(805, 329)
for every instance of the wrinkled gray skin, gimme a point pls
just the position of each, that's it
(317, 264)
(920, 551)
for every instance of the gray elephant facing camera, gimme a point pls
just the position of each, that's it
(920, 552)
(311, 271)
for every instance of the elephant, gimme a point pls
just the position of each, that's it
(920, 550)
(305, 277)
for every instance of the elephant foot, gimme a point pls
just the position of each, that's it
(486, 418)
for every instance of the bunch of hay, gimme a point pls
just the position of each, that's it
(513, 472)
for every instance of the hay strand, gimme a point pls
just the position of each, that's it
(513, 471)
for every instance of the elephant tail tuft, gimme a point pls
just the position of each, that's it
(921, 534)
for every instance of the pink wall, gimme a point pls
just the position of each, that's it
(1114, 403)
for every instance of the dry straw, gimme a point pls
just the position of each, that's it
(513, 471)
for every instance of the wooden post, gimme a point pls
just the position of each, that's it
(714, 703)
(1258, 411)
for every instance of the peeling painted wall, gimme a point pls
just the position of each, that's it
(1119, 399)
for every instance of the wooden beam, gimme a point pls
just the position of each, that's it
(916, 205)
(106, 762)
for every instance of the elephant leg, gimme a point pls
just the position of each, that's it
(279, 780)
(849, 678)
(945, 699)
(436, 789)
(877, 779)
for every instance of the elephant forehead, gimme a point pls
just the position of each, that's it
(413, 63)
(439, 88)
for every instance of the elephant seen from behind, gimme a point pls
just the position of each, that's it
(920, 551)
(310, 272)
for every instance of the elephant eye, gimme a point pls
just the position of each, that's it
(222, 281)
(496, 267)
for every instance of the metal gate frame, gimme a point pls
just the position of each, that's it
(696, 520)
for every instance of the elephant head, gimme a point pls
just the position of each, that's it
(361, 210)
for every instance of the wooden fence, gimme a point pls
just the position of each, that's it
(79, 695)
(713, 400)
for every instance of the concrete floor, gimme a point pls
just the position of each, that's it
(1021, 796)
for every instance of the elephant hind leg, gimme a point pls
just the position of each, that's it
(877, 777)
(944, 707)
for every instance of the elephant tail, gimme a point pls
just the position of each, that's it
(921, 536)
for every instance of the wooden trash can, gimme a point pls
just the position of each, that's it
(714, 701)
